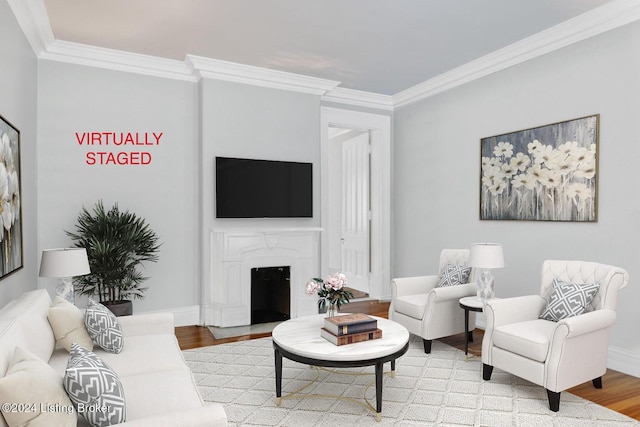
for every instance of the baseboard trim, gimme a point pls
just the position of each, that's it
(183, 316)
(624, 361)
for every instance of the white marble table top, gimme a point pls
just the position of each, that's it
(472, 302)
(301, 336)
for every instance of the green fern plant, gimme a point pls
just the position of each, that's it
(117, 243)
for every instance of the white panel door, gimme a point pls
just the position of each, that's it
(356, 211)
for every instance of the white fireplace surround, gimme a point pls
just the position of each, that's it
(235, 252)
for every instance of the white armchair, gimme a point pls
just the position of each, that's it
(555, 355)
(433, 312)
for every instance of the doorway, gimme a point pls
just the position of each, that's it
(349, 206)
(355, 171)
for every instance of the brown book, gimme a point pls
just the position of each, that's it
(350, 324)
(351, 338)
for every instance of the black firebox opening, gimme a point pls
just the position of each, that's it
(270, 294)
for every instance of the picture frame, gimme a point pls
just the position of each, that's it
(11, 245)
(546, 173)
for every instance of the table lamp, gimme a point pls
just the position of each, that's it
(64, 263)
(486, 256)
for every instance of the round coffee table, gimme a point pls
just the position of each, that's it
(299, 340)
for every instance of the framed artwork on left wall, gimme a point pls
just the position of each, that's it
(11, 258)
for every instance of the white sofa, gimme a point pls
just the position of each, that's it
(158, 386)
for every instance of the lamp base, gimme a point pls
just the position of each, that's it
(485, 286)
(65, 290)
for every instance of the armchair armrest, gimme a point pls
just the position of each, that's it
(206, 416)
(512, 310)
(454, 292)
(147, 324)
(413, 285)
(587, 322)
(579, 349)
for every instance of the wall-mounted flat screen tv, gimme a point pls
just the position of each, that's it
(251, 188)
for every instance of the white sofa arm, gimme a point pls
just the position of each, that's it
(413, 285)
(207, 416)
(454, 292)
(147, 324)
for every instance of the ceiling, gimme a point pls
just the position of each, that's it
(379, 46)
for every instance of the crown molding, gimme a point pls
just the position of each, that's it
(257, 76)
(110, 59)
(34, 21)
(582, 27)
(359, 98)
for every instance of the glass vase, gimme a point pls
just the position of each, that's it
(332, 309)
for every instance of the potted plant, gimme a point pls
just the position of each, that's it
(117, 243)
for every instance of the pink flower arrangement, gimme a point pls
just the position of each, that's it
(331, 290)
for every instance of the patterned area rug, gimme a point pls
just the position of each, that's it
(440, 389)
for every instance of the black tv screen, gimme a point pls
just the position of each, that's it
(250, 188)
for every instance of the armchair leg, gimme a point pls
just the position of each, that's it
(554, 400)
(487, 370)
(597, 382)
(427, 346)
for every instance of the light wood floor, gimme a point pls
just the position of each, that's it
(620, 392)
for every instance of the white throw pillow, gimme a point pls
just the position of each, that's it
(94, 388)
(103, 327)
(32, 394)
(67, 323)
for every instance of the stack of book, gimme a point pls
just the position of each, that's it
(350, 328)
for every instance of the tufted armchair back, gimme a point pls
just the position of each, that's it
(610, 278)
(456, 257)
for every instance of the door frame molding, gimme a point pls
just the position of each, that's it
(379, 127)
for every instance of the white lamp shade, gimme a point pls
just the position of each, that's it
(486, 255)
(64, 262)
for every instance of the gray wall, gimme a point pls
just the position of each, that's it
(437, 168)
(73, 98)
(18, 106)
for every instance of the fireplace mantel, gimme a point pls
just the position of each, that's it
(234, 252)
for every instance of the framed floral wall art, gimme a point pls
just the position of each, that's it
(547, 173)
(10, 206)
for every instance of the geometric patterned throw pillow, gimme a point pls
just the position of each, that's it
(568, 300)
(103, 327)
(94, 389)
(454, 275)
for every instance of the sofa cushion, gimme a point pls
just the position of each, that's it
(454, 275)
(23, 323)
(530, 339)
(30, 387)
(102, 326)
(94, 388)
(411, 305)
(67, 323)
(142, 354)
